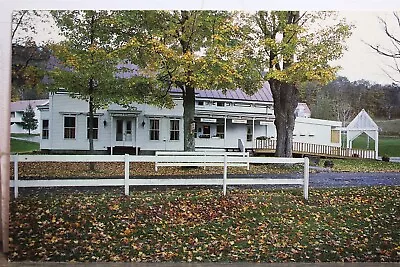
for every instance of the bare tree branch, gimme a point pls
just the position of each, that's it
(393, 51)
(18, 23)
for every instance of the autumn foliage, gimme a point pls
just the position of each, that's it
(348, 224)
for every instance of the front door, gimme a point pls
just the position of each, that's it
(124, 132)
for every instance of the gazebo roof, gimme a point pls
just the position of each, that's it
(362, 122)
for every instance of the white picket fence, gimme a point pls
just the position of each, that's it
(223, 160)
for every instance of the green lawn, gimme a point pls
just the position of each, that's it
(21, 146)
(387, 145)
(347, 224)
(23, 135)
(362, 165)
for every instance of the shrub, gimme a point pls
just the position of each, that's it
(385, 158)
(328, 164)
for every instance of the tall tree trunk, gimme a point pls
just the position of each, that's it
(91, 93)
(285, 103)
(91, 120)
(188, 89)
(188, 117)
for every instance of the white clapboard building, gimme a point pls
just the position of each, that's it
(17, 110)
(221, 119)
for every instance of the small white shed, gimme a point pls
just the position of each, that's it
(362, 123)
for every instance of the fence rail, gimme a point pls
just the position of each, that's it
(316, 149)
(224, 160)
(199, 159)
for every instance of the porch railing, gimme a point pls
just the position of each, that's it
(315, 149)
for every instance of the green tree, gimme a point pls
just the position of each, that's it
(28, 58)
(87, 61)
(29, 122)
(28, 70)
(189, 50)
(292, 49)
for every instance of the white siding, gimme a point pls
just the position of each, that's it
(45, 143)
(314, 131)
(306, 129)
(62, 105)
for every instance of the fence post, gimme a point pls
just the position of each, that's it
(225, 174)
(126, 180)
(155, 162)
(306, 177)
(16, 176)
(248, 160)
(204, 159)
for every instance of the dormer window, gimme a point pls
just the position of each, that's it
(220, 104)
(200, 103)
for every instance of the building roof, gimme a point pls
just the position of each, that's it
(362, 122)
(23, 104)
(262, 95)
(302, 110)
(127, 69)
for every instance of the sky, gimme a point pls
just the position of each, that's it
(358, 62)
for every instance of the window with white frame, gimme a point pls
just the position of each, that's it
(154, 129)
(69, 127)
(206, 131)
(45, 129)
(95, 127)
(174, 129)
(220, 131)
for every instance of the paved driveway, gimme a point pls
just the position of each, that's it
(340, 179)
(354, 179)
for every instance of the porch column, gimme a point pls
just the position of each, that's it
(254, 134)
(376, 144)
(225, 132)
(136, 133)
(111, 134)
(347, 139)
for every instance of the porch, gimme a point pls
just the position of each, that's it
(264, 146)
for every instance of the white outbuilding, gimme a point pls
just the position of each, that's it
(362, 123)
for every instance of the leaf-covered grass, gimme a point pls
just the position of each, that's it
(349, 224)
(362, 165)
(21, 146)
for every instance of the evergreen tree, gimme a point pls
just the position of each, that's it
(29, 122)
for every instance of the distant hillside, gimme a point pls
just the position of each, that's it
(389, 127)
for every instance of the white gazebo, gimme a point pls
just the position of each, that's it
(362, 123)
